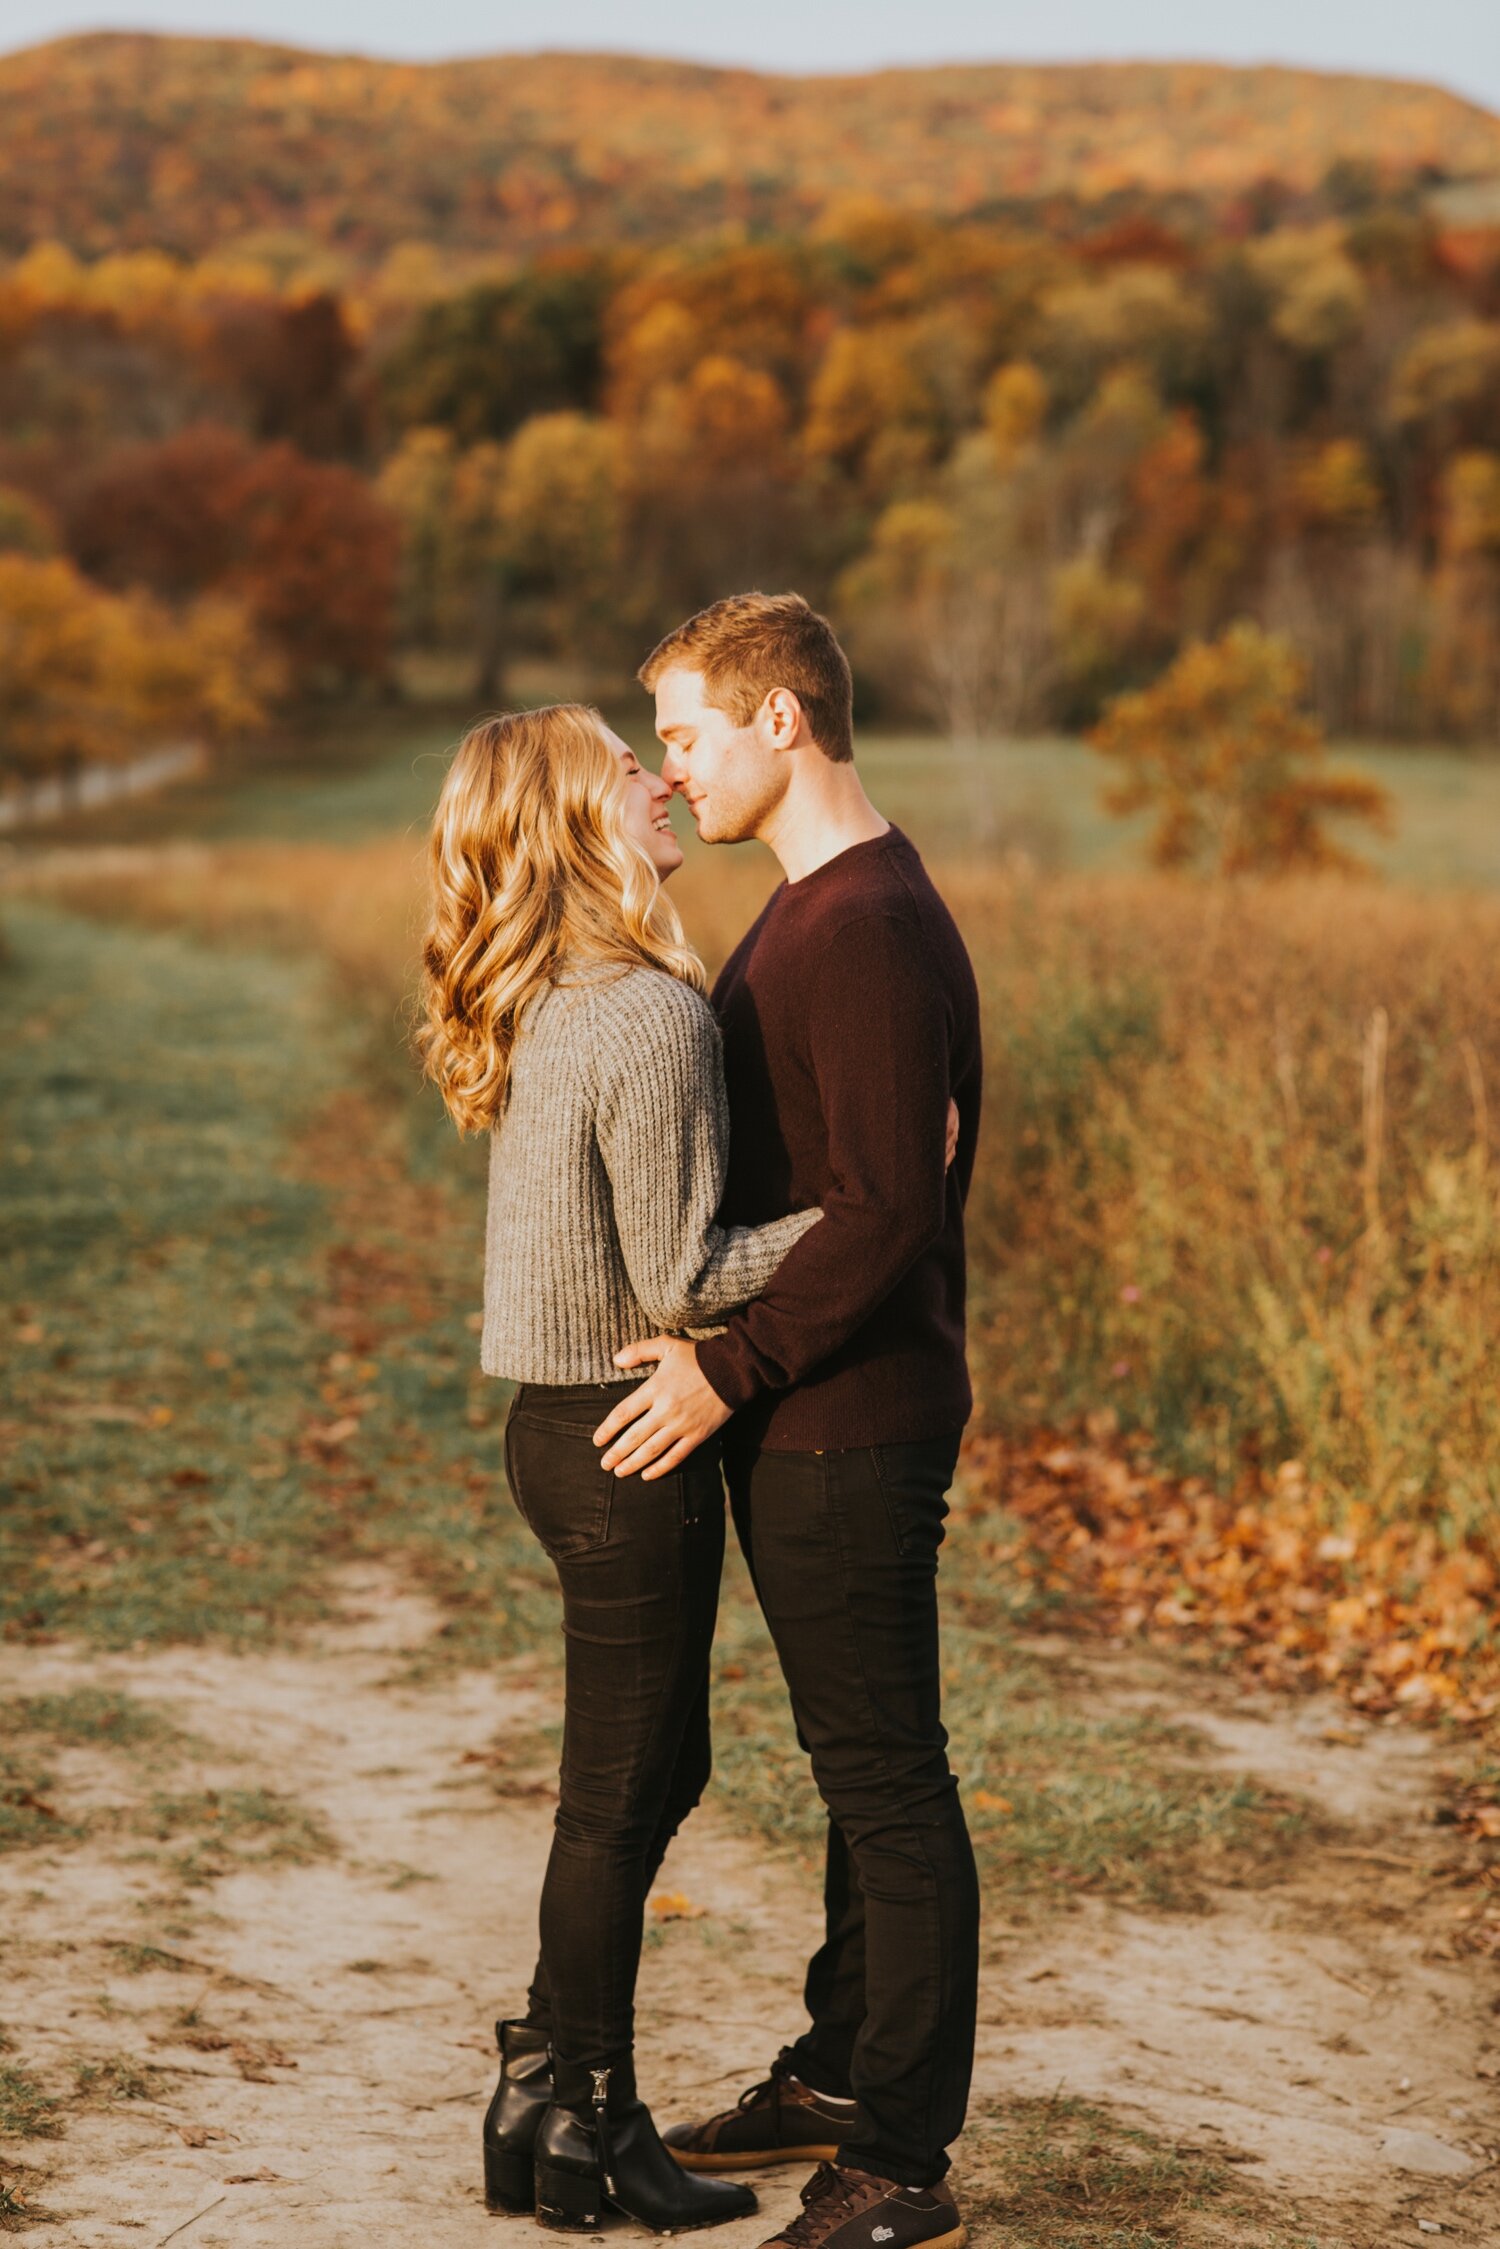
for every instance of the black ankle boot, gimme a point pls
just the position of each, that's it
(516, 2109)
(597, 2145)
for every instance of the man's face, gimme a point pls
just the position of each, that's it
(731, 777)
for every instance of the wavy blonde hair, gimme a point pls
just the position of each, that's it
(533, 874)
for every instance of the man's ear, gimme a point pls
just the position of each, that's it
(781, 715)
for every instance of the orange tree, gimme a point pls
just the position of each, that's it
(87, 677)
(1222, 751)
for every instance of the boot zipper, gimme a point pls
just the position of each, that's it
(601, 2127)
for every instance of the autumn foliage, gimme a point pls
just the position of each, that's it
(1391, 1614)
(202, 140)
(1223, 753)
(1037, 379)
(87, 676)
(304, 546)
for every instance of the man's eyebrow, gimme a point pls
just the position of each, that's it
(665, 733)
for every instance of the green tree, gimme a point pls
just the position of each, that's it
(482, 362)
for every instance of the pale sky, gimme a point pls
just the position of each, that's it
(1454, 43)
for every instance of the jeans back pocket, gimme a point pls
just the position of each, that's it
(561, 1492)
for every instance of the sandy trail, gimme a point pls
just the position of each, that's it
(1310, 2029)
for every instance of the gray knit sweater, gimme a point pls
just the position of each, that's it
(605, 1173)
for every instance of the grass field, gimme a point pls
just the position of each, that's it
(1235, 1193)
(376, 772)
(240, 1281)
(286, 1238)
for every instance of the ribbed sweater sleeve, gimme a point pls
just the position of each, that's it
(652, 1054)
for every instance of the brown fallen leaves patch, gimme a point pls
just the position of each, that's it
(1384, 1613)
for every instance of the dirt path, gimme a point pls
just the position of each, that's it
(321, 2036)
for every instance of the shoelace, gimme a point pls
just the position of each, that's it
(828, 2198)
(781, 2070)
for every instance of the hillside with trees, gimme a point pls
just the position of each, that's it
(1027, 453)
(113, 141)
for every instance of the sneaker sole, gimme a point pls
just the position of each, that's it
(756, 2159)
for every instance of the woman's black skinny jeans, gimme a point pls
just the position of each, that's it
(639, 1568)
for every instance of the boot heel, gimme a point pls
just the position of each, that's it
(568, 2201)
(509, 2181)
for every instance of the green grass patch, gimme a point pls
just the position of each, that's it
(145, 1959)
(28, 1816)
(83, 1717)
(160, 1261)
(27, 2110)
(1064, 2174)
(14, 2209)
(212, 1392)
(225, 1830)
(115, 2078)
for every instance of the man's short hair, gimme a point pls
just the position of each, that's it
(753, 642)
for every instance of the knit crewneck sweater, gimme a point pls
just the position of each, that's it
(606, 1171)
(850, 1018)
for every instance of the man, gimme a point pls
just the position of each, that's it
(850, 1020)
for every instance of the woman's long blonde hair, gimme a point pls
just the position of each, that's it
(533, 873)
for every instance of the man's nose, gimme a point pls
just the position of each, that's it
(671, 771)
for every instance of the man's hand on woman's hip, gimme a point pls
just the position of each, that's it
(654, 1428)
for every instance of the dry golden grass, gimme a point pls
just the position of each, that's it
(1236, 1187)
(1237, 1182)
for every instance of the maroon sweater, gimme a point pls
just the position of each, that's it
(850, 1015)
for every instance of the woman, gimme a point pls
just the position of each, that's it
(564, 1014)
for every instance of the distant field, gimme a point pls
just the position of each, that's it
(1190, 1205)
(379, 772)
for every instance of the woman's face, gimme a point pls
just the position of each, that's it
(648, 800)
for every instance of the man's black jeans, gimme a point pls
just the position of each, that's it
(843, 1549)
(639, 1567)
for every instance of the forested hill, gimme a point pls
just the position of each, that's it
(119, 141)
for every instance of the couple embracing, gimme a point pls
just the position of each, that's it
(724, 1247)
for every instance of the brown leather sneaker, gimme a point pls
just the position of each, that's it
(780, 2120)
(845, 2209)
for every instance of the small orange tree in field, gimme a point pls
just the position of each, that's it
(1224, 752)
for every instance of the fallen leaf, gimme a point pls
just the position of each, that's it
(252, 2178)
(670, 1905)
(983, 1801)
(336, 1433)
